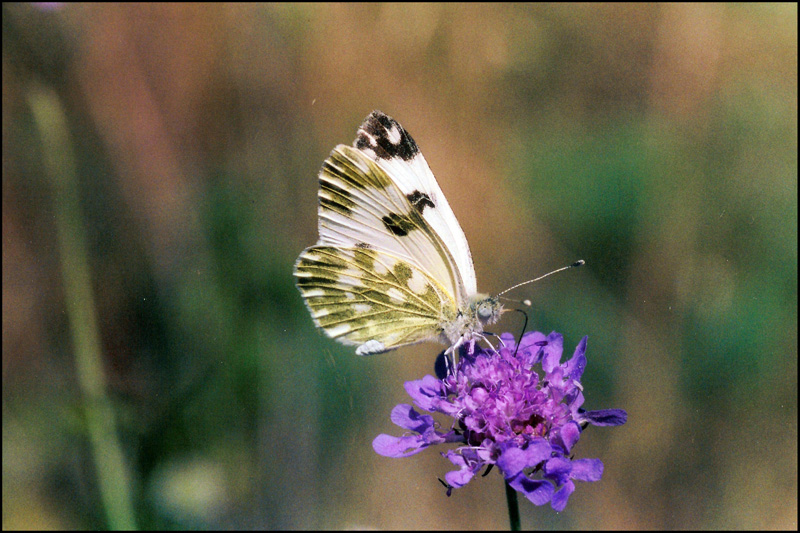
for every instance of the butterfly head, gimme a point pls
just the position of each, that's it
(469, 321)
(486, 309)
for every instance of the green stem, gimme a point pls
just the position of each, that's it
(112, 472)
(513, 507)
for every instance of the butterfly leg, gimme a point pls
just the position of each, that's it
(484, 339)
(452, 350)
(499, 339)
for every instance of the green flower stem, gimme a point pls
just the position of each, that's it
(513, 507)
(112, 472)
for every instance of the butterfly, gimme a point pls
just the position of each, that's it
(392, 266)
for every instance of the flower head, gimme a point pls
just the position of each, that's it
(505, 413)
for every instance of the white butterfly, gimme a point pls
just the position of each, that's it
(392, 266)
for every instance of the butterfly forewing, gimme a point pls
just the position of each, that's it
(386, 142)
(360, 206)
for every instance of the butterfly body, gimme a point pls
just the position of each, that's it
(392, 266)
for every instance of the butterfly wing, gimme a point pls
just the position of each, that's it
(380, 275)
(387, 143)
(371, 299)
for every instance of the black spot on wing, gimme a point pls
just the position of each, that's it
(335, 190)
(400, 225)
(335, 198)
(337, 207)
(386, 138)
(343, 173)
(420, 201)
(314, 281)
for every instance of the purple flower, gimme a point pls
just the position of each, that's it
(507, 414)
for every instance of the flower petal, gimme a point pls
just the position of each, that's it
(407, 418)
(587, 469)
(552, 352)
(390, 446)
(536, 490)
(530, 347)
(513, 460)
(605, 417)
(561, 496)
(459, 478)
(558, 469)
(577, 364)
(426, 392)
(567, 437)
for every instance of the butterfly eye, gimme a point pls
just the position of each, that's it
(485, 310)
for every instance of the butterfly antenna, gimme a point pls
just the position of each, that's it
(573, 265)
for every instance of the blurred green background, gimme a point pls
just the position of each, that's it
(159, 179)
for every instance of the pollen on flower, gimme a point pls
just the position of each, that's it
(518, 408)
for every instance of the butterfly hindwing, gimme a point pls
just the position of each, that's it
(370, 298)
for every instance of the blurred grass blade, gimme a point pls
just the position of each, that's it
(112, 472)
